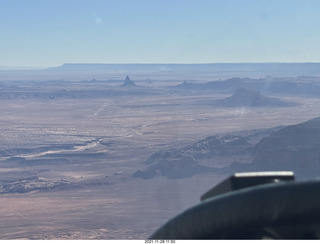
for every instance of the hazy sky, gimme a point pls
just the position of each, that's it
(53, 32)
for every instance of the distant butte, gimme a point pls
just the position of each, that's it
(250, 97)
(128, 83)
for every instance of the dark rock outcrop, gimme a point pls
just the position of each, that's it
(184, 162)
(295, 147)
(291, 148)
(217, 146)
(173, 166)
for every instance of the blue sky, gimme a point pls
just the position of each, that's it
(53, 32)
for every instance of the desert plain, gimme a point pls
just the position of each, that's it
(69, 149)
